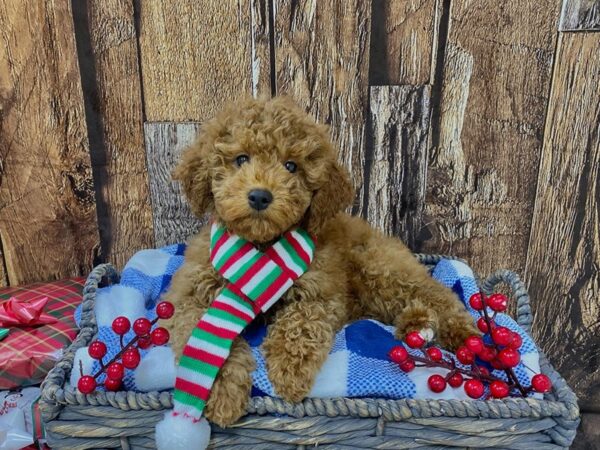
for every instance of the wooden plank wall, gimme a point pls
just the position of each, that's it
(48, 225)
(470, 128)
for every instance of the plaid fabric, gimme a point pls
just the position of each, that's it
(27, 354)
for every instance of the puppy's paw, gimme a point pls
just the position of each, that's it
(417, 318)
(427, 333)
(458, 326)
(226, 404)
(291, 381)
(231, 390)
(294, 361)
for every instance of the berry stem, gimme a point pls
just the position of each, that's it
(510, 374)
(118, 355)
(451, 366)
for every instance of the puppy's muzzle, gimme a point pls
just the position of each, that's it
(259, 199)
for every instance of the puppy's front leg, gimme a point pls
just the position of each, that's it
(304, 326)
(231, 390)
(296, 347)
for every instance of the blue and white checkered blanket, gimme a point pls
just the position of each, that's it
(357, 366)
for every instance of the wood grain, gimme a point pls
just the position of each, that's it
(48, 221)
(403, 44)
(111, 78)
(487, 131)
(321, 60)
(197, 54)
(580, 15)
(396, 170)
(563, 264)
(173, 219)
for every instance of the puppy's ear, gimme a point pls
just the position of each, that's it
(193, 174)
(332, 197)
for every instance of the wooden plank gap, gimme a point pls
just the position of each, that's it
(108, 54)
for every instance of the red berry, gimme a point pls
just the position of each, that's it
(502, 336)
(160, 336)
(141, 326)
(464, 355)
(86, 384)
(516, 342)
(97, 349)
(497, 302)
(144, 342)
(115, 371)
(474, 388)
(112, 385)
(541, 383)
(496, 364)
(131, 358)
(509, 357)
(456, 380)
(436, 383)
(165, 310)
(414, 339)
(487, 354)
(407, 365)
(476, 301)
(483, 370)
(474, 343)
(398, 354)
(121, 325)
(435, 354)
(482, 325)
(499, 389)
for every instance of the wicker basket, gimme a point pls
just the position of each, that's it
(127, 419)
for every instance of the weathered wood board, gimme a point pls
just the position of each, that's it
(487, 131)
(580, 15)
(108, 52)
(396, 165)
(563, 264)
(321, 60)
(197, 54)
(173, 219)
(403, 41)
(48, 221)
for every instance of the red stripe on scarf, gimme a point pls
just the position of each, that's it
(271, 290)
(219, 244)
(244, 249)
(204, 356)
(281, 263)
(262, 262)
(217, 331)
(296, 245)
(192, 389)
(231, 310)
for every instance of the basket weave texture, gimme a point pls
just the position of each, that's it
(126, 419)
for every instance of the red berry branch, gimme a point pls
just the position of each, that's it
(502, 354)
(129, 355)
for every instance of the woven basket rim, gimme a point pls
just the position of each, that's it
(561, 402)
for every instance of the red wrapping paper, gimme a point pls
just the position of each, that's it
(28, 353)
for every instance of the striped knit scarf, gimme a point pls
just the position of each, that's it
(256, 280)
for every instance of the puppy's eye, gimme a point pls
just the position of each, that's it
(290, 166)
(241, 160)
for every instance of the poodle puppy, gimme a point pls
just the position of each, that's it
(276, 148)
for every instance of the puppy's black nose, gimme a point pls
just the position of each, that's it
(259, 199)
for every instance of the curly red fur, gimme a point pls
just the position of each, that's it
(357, 271)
